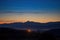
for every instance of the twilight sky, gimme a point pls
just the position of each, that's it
(32, 10)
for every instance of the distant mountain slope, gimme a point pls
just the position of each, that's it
(32, 25)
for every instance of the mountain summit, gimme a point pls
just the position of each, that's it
(32, 25)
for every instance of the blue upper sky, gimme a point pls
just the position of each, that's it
(29, 5)
(32, 10)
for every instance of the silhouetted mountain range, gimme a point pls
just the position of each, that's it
(32, 25)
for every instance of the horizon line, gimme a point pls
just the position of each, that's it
(28, 21)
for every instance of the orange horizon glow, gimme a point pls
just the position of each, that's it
(33, 19)
(28, 20)
(42, 18)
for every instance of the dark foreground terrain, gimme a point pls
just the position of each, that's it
(13, 34)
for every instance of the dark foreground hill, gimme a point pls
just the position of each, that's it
(56, 33)
(13, 34)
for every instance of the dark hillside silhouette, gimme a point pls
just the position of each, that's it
(53, 34)
(13, 34)
(7, 33)
(47, 36)
(56, 33)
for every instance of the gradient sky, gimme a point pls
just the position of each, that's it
(32, 10)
